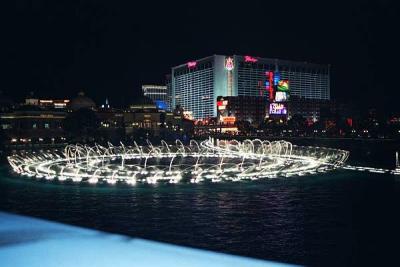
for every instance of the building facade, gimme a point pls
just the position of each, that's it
(31, 124)
(251, 109)
(196, 84)
(168, 83)
(159, 95)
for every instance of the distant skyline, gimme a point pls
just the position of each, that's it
(110, 49)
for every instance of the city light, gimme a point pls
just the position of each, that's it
(192, 64)
(229, 64)
(277, 109)
(283, 85)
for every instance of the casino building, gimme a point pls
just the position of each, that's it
(196, 84)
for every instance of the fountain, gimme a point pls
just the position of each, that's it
(223, 160)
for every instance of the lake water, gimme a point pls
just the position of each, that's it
(341, 218)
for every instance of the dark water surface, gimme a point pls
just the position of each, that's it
(339, 219)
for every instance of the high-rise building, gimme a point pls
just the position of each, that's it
(168, 83)
(196, 84)
(157, 93)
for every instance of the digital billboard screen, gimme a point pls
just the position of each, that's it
(277, 109)
(283, 85)
(281, 96)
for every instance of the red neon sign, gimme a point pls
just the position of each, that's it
(271, 87)
(192, 64)
(250, 59)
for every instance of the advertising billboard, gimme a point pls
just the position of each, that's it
(228, 119)
(222, 108)
(283, 86)
(281, 96)
(221, 104)
(277, 109)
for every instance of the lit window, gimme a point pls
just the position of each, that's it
(46, 126)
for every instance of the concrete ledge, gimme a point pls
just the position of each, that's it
(32, 242)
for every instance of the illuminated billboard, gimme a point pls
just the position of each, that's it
(277, 109)
(221, 104)
(281, 96)
(229, 64)
(283, 85)
(228, 119)
(222, 107)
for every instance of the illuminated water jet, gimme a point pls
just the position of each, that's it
(222, 160)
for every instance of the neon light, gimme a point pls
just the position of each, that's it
(277, 109)
(192, 64)
(270, 88)
(280, 96)
(277, 77)
(229, 63)
(222, 103)
(228, 120)
(221, 107)
(250, 59)
(283, 85)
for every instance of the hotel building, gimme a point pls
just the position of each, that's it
(196, 84)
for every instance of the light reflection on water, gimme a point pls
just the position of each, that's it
(327, 220)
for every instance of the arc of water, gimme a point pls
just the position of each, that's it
(123, 155)
(147, 156)
(164, 144)
(181, 146)
(194, 143)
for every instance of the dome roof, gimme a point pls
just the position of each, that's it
(81, 101)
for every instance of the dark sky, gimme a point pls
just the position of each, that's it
(109, 48)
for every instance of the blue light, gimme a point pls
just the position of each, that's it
(277, 77)
(160, 104)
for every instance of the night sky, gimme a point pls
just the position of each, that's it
(109, 48)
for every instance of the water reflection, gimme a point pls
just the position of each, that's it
(302, 220)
